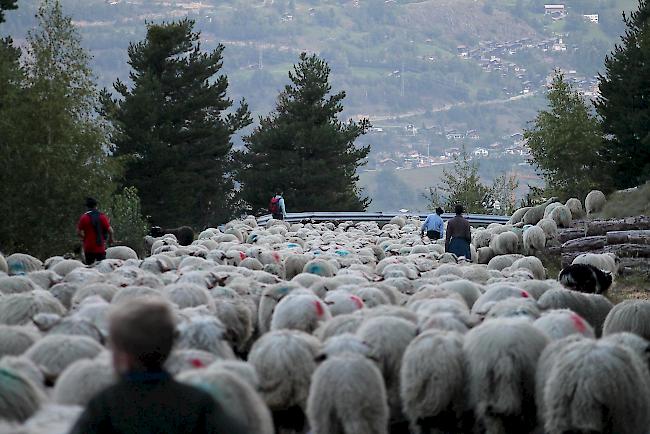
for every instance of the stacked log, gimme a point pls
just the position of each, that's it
(629, 239)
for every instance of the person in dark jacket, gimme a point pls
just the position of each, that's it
(146, 399)
(458, 235)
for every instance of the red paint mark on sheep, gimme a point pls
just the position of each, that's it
(578, 323)
(242, 255)
(319, 308)
(357, 301)
(276, 256)
(197, 363)
(524, 294)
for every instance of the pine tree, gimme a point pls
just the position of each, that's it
(566, 143)
(55, 151)
(6, 5)
(624, 103)
(172, 128)
(303, 149)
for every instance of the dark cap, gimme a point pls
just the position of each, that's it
(90, 202)
(439, 211)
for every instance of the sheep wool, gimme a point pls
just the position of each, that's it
(433, 382)
(82, 380)
(629, 316)
(54, 353)
(347, 395)
(561, 215)
(592, 307)
(595, 202)
(15, 340)
(534, 240)
(502, 357)
(300, 312)
(575, 206)
(596, 387)
(560, 323)
(19, 398)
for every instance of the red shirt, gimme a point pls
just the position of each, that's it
(90, 236)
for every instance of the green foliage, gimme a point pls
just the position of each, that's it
(126, 219)
(623, 103)
(173, 130)
(304, 149)
(463, 185)
(565, 142)
(55, 151)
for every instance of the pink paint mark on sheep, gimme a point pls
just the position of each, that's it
(357, 301)
(197, 363)
(524, 294)
(276, 257)
(319, 308)
(578, 323)
(242, 255)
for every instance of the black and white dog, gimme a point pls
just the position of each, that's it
(586, 278)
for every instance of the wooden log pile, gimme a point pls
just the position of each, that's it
(628, 238)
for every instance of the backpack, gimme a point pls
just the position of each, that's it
(274, 206)
(101, 234)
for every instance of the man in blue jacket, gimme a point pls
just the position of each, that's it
(434, 226)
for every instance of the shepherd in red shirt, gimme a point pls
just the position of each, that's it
(94, 229)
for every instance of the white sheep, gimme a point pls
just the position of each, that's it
(16, 285)
(595, 202)
(339, 324)
(204, 333)
(629, 316)
(434, 382)
(592, 307)
(121, 252)
(597, 387)
(560, 323)
(20, 263)
(342, 302)
(19, 398)
(54, 353)
(531, 263)
(603, 261)
(300, 311)
(347, 395)
(18, 309)
(502, 357)
(82, 380)
(550, 229)
(534, 240)
(575, 206)
(561, 215)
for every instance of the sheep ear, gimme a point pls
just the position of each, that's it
(320, 357)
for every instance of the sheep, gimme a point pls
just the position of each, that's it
(20, 264)
(495, 293)
(634, 343)
(502, 261)
(604, 261)
(535, 288)
(204, 333)
(347, 395)
(25, 367)
(294, 264)
(433, 383)
(550, 229)
(44, 279)
(285, 362)
(388, 338)
(467, 289)
(485, 254)
(62, 268)
(501, 359)
(181, 360)
(4, 267)
(16, 285)
(629, 316)
(82, 380)
(64, 292)
(596, 387)
(339, 324)
(53, 419)
(238, 321)
(575, 206)
(15, 340)
(549, 209)
(532, 264)
(300, 311)
(319, 267)
(243, 370)
(534, 215)
(19, 309)
(525, 308)
(534, 240)
(585, 278)
(592, 307)
(19, 398)
(595, 202)
(271, 296)
(235, 396)
(561, 215)
(130, 293)
(560, 323)
(518, 215)
(76, 326)
(121, 252)
(341, 302)
(54, 353)
(104, 290)
(188, 295)
(505, 243)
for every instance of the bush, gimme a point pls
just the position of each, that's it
(126, 218)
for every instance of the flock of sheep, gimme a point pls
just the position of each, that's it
(350, 328)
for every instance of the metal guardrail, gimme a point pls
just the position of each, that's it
(296, 217)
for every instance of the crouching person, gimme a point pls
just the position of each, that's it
(147, 399)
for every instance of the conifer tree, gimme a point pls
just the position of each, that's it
(624, 103)
(303, 148)
(566, 144)
(173, 130)
(54, 152)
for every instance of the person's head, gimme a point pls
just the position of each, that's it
(439, 211)
(278, 192)
(91, 203)
(459, 209)
(141, 335)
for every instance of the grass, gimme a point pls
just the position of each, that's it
(631, 287)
